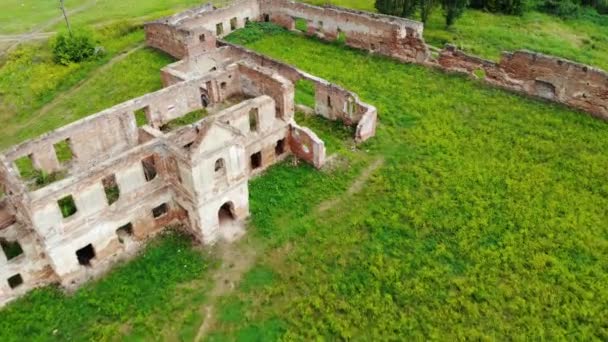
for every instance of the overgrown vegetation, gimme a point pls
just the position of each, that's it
(162, 286)
(483, 222)
(186, 119)
(453, 9)
(73, 48)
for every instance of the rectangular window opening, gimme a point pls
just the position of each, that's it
(63, 150)
(25, 166)
(279, 148)
(219, 29)
(233, 24)
(67, 206)
(141, 116)
(301, 24)
(110, 187)
(256, 160)
(160, 211)
(328, 101)
(201, 37)
(124, 232)
(15, 281)
(85, 255)
(266, 17)
(253, 120)
(11, 249)
(149, 166)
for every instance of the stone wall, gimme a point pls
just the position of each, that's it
(551, 78)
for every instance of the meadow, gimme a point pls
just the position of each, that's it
(474, 213)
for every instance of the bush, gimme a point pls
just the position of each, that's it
(73, 48)
(516, 7)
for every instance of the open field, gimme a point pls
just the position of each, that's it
(473, 213)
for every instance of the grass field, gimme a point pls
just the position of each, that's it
(485, 220)
(474, 213)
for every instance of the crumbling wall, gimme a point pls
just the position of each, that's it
(306, 145)
(257, 81)
(555, 79)
(392, 36)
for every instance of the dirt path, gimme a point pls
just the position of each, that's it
(355, 187)
(37, 32)
(237, 259)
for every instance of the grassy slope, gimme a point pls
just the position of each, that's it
(19, 16)
(584, 39)
(485, 220)
(161, 287)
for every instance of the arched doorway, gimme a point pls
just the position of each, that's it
(226, 213)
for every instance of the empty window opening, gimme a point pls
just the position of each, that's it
(124, 232)
(305, 148)
(279, 148)
(110, 187)
(545, 89)
(233, 24)
(223, 85)
(256, 160)
(25, 166)
(219, 29)
(11, 249)
(205, 95)
(67, 206)
(141, 116)
(266, 17)
(246, 20)
(149, 165)
(253, 120)
(341, 38)
(15, 281)
(160, 211)
(301, 24)
(85, 255)
(201, 38)
(220, 166)
(226, 213)
(305, 92)
(328, 101)
(63, 150)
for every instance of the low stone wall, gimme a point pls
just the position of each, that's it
(551, 78)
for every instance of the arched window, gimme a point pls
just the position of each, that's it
(220, 166)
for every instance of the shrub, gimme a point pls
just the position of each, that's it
(73, 48)
(561, 8)
(516, 7)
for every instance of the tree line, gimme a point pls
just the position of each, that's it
(452, 9)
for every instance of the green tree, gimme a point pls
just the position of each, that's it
(453, 9)
(402, 8)
(426, 8)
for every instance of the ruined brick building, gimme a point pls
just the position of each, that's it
(129, 172)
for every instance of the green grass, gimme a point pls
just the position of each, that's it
(485, 220)
(20, 16)
(135, 301)
(184, 120)
(135, 75)
(583, 39)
